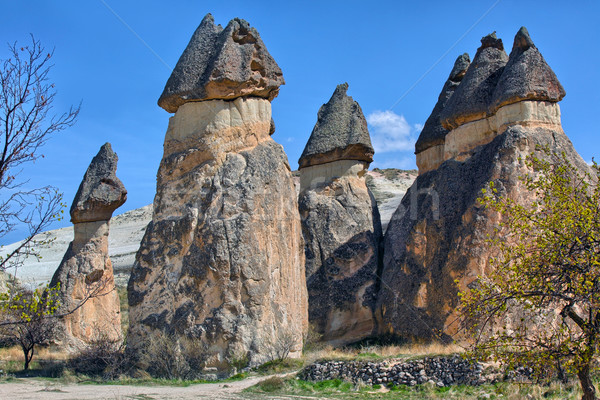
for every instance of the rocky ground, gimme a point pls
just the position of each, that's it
(126, 230)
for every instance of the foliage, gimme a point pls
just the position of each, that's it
(26, 318)
(26, 124)
(540, 305)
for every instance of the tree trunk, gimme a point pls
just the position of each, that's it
(589, 391)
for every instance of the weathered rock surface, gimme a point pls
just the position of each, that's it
(340, 133)
(473, 96)
(435, 244)
(430, 144)
(340, 223)
(100, 192)
(126, 230)
(222, 260)
(86, 268)
(222, 64)
(526, 76)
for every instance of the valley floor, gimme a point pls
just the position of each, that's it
(30, 388)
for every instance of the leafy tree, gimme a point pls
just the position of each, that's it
(26, 318)
(540, 306)
(27, 122)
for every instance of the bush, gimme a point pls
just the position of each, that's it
(169, 356)
(103, 357)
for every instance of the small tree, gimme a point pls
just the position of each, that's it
(27, 318)
(541, 304)
(26, 123)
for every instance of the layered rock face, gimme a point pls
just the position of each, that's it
(435, 244)
(340, 223)
(86, 269)
(222, 261)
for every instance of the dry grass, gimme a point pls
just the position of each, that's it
(382, 352)
(51, 353)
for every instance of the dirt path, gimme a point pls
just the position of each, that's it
(39, 389)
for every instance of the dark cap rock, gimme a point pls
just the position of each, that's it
(473, 96)
(433, 132)
(100, 192)
(340, 133)
(526, 76)
(222, 64)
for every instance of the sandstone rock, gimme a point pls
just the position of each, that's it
(473, 96)
(526, 76)
(86, 268)
(340, 133)
(340, 223)
(222, 261)
(435, 244)
(433, 134)
(222, 64)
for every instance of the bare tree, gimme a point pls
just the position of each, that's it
(27, 122)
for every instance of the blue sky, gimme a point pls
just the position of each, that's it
(395, 55)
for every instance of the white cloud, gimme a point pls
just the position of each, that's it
(400, 163)
(391, 132)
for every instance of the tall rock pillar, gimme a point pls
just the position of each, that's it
(340, 222)
(504, 109)
(86, 268)
(222, 261)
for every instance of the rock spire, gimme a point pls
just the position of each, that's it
(86, 268)
(340, 223)
(222, 262)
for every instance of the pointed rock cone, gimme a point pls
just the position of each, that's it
(221, 265)
(222, 64)
(473, 96)
(86, 268)
(340, 132)
(340, 223)
(526, 76)
(433, 132)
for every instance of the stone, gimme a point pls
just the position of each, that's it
(340, 132)
(222, 64)
(436, 242)
(222, 261)
(526, 76)
(100, 192)
(341, 226)
(473, 96)
(433, 134)
(86, 274)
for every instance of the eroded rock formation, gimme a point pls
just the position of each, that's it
(86, 269)
(429, 148)
(496, 92)
(435, 244)
(222, 261)
(340, 222)
(222, 64)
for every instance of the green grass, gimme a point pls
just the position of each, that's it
(280, 366)
(337, 389)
